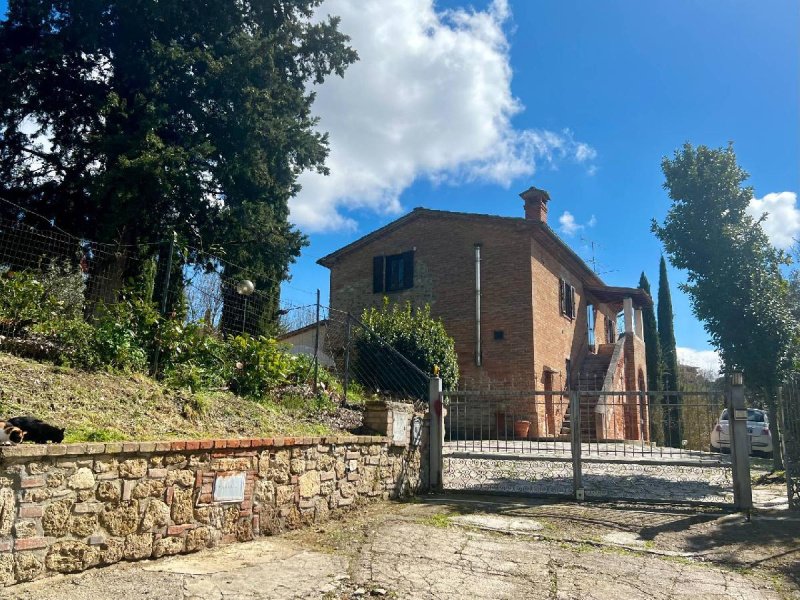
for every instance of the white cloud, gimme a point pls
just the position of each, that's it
(430, 97)
(782, 224)
(707, 360)
(568, 225)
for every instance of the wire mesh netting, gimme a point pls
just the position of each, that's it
(359, 360)
(790, 416)
(50, 279)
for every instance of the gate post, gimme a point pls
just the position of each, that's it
(740, 444)
(575, 444)
(436, 444)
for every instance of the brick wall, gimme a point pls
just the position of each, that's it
(444, 277)
(66, 508)
(625, 416)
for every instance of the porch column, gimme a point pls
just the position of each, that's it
(639, 324)
(627, 309)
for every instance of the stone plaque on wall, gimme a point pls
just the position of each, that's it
(229, 487)
(400, 422)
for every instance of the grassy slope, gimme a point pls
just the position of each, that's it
(134, 407)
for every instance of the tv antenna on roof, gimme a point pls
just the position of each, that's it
(593, 246)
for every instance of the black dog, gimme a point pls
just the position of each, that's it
(37, 430)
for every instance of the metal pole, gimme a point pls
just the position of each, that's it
(785, 446)
(316, 350)
(436, 441)
(164, 296)
(347, 357)
(244, 316)
(740, 444)
(575, 439)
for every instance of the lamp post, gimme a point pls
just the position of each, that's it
(245, 288)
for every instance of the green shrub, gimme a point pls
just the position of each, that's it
(414, 334)
(24, 301)
(125, 333)
(257, 364)
(194, 355)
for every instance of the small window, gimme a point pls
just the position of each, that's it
(611, 329)
(499, 334)
(393, 273)
(567, 299)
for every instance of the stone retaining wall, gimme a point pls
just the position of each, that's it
(68, 507)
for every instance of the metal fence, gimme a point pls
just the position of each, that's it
(348, 353)
(48, 276)
(790, 431)
(601, 443)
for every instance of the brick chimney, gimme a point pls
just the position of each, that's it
(535, 204)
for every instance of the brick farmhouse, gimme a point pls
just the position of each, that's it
(524, 310)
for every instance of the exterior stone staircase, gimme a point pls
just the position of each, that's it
(591, 377)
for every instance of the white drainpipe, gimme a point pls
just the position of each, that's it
(478, 304)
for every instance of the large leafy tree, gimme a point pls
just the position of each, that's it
(130, 120)
(733, 272)
(669, 359)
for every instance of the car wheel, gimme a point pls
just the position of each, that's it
(714, 449)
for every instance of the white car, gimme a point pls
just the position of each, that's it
(757, 428)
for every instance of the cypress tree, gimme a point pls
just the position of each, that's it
(651, 341)
(653, 352)
(669, 360)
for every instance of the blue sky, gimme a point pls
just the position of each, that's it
(461, 106)
(630, 80)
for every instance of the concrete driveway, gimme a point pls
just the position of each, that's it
(476, 547)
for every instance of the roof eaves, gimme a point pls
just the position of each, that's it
(330, 259)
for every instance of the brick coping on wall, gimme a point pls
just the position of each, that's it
(91, 448)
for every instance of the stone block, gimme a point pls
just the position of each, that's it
(148, 488)
(6, 569)
(134, 468)
(55, 520)
(112, 551)
(198, 539)
(121, 519)
(106, 465)
(172, 460)
(155, 515)
(309, 484)
(138, 546)
(182, 506)
(168, 546)
(82, 479)
(24, 528)
(27, 566)
(181, 477)
(83, 525)
(88, 507)
(7, 510)
(70, 556)
(55, 480)
(108, 491)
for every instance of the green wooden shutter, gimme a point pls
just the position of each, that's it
(408, 269)
(377, 274)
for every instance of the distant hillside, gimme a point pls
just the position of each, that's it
(108, 407)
